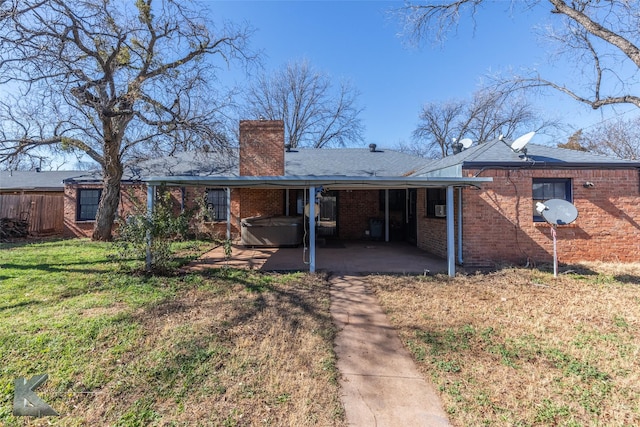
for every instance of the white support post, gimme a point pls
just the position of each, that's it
(451, 250)
(228, 191)
(151, 192)
(386, 215)
(312, 229)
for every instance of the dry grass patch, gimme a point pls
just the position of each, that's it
(518, 347)
(252, 350)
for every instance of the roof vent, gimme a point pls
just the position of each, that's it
(287, 147)
(372, 148)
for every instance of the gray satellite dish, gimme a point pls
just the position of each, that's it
(521, 141)
(466, 142)
(557, 211)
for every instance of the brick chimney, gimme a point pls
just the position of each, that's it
(261, 148)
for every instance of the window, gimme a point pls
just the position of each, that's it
(550, 188)
(88, 200)
(217, 204)
(435, 197)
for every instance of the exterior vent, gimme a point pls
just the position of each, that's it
(441, 210)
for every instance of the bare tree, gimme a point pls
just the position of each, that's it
(315, 113)
(602, 37)
(485, 117)
(574, 142)
(112, 79)
(619, 138)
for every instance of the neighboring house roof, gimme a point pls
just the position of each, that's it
(36, 181)
(497, 153)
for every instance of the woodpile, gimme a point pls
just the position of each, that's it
(13, 227)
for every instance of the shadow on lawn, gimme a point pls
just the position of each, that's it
(628, 278)
(20, 304)
(66, 266)
(265, 290)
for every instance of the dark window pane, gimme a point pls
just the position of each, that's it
(551, 188)
(88, 200)
(217, 204)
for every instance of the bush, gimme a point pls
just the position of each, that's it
(163, 228)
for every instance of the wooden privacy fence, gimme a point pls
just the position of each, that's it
(44, 212)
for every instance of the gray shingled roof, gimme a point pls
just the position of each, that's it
(358, 162)
(187, 164)
(351, 162)
(36, 181)
(498, 153)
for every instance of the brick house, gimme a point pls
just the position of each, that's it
(380, 194)
(498, 221)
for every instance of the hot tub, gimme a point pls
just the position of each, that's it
(273, 231)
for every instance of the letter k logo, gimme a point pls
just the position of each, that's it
(25, 401)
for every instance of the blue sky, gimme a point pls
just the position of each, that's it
(358, 41)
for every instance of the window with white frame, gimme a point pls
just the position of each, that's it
(217, 204)
(550, 188)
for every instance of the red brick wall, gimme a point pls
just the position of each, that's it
(261, 148)
(260, 202)
(431, 231)
(354, 210)
(499, 227)
(73, 228)
(133, 199)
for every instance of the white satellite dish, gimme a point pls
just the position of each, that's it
(521, 141)
(557, 212)
(466, 142)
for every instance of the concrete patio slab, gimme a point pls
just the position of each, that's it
(361, 257)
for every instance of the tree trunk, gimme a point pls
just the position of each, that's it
(108, 206)
(112, 171)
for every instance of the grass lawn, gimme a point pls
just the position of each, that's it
(520, 348)
(220, 348)
(239, 348)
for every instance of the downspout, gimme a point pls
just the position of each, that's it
(286, 201)
(460, 257)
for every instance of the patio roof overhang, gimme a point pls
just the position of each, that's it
(337, 182)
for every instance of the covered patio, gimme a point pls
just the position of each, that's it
(352, 257)
(312, 185)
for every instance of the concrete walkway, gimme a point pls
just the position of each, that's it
(380, 383)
